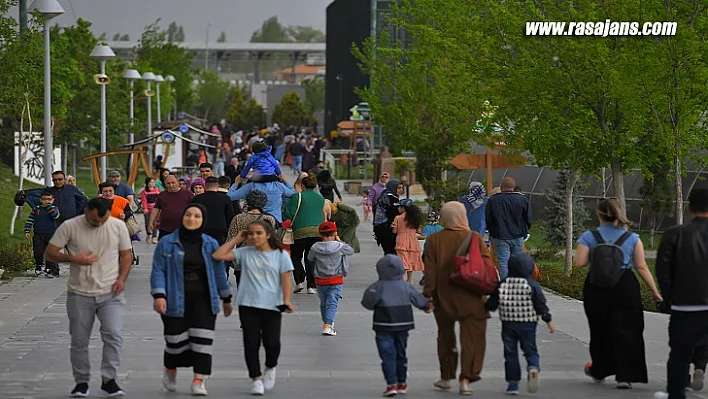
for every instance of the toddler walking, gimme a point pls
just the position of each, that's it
(390, 298)
(521, 302)
(407, 226)
(331, 267)
(43, 220)
(365, 205)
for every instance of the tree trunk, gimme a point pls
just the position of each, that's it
(618, 184)
(569, 185)
(678, 180)
(604, 182)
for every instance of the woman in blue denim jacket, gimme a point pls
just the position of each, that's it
(187, 283)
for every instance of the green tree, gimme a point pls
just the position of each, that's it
(167, 58)
(291, 111)
(237, 108)
(657, 198)
(305, 34)
(672, 86)
(314, 94)
(179, 37)
(271, 31)
(125, 38)
(426, 95)
(116, 37)
(172, 30)
(221, 38)
(555, 217)
(212, 96)
(254, 114)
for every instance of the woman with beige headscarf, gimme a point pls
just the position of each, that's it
(454, 303)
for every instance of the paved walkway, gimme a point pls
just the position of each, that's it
(34, 346)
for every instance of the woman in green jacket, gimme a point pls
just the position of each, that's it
(305, 211)
(347, 220)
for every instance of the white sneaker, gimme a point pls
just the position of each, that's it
(199, 388)
(329, 330)
(299, 288)
(442, 384)
(533, 380)
(311, 291)
(269, 379)
(169, 381)
(257, 389)
(661, 395)
(154, 240)
(697, 380)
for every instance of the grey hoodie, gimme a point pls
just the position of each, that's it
(330, 258)
(391, 298)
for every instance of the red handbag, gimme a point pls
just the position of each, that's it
(472, 271)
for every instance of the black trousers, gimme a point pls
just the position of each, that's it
(616, 321)
(686, 330)
(385, 238)
(260, 325)
(298, 250)
(39, 245)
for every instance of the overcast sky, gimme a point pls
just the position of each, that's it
(238, 18)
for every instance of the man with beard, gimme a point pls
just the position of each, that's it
(169, 207)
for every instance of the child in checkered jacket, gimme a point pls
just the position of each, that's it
(521, 303)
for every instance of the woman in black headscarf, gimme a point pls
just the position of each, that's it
(328, 186)
(187, 286)
(384, 213)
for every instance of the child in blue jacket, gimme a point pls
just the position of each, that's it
(521, 303)
(390, 298)
(44, 219)
(265, 167)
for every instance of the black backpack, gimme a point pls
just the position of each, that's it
(607, 261)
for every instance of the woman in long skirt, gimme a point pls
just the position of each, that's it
(263, 294)
(615, 314)
(187, 287)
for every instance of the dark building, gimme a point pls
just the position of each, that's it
(348, 23)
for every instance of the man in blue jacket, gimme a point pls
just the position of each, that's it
(67, 198)
(508, 217)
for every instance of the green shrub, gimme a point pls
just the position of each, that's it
(545, 254)
(571, 284)
(16, 258)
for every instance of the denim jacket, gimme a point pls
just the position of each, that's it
(167, 276)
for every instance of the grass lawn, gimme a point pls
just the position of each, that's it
(538, 239)
(8, 188)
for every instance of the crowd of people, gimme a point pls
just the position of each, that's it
(282, 239)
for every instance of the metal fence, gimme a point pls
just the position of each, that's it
(536, 182)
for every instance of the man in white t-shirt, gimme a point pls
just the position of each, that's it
(98, 250)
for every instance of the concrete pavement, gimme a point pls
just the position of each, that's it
(34, 346)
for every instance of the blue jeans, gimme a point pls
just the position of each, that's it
(297, 163)
(219, 168)
(503, 249)
(513, 335)
(392, 351)
(329, 299)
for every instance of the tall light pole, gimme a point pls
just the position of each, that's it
(206, 58)
(170, 79)
(149, 77)
(132, 75)
(49, 9)
(159, 79)
(103, 52)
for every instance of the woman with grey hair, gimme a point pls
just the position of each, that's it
(255, 202)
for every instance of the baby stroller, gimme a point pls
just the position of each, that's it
(134, 230)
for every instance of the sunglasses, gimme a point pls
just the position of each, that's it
(60, 179)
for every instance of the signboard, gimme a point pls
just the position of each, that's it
(33, 165)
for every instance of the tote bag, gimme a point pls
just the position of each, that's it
(473, 271)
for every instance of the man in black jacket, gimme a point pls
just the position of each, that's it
(682, 272)
(220, 210)
(508, 217)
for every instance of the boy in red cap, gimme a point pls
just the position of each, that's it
(331, 266)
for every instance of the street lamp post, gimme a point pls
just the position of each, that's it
(170, 79)
(149, 77)
(132, 75)
(103, 52)
(159, 79)
(49, 9)
(206, 58)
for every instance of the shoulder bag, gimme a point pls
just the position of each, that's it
(288, 235)
(473, 271)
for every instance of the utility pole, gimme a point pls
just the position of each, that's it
(23, 16)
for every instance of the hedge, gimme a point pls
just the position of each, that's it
(571, 285)
(15, 258)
